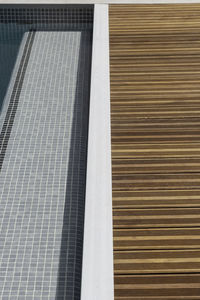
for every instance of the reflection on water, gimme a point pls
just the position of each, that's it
(11, 35)
(10, 39)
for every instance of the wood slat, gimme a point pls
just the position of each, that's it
(167, 238)
(155, 165)
(155, 119)
(156, 198)
(155, 181)
(150, 218)
(155, 261)
(162, 286)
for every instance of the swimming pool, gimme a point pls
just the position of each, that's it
(45, 59)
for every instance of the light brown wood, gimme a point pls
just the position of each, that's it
(155, 117)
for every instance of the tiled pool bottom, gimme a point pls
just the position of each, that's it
(42, 176)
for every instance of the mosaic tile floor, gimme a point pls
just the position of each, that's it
(43, 172)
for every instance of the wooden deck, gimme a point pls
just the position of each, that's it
(155, 114)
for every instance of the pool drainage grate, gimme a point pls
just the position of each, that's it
(14, 99)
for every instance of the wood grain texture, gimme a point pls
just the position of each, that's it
(155, 116)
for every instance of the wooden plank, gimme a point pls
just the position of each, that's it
(156, 198)
(162, 286)
(155, 119)
(155, 181)
(165, 238)
(155, 165)
(155, 218)
(156, 261)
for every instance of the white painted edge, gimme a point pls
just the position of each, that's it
(97, 1)
(97, 271)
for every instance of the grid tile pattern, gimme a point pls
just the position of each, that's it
(43, 173)
(15, 21)
(52, 18)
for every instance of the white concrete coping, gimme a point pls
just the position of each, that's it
(97, 272)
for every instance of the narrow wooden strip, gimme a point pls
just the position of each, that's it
(155, 218)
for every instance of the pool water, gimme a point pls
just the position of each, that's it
(44, 94)
(9, 47)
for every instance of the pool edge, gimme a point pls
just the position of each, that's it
(97, 271)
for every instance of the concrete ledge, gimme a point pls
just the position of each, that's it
(97, 276)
